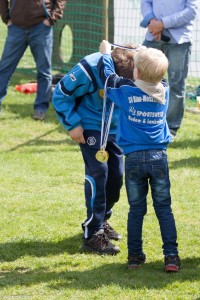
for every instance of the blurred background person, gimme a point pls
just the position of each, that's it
(30, 23)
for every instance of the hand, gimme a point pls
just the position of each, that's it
(155, 26)
(157, 36)
(105, 47)
(76, 134)
(9, 23)
(46, 22)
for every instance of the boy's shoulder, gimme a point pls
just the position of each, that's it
(124, 82)
(92, 59)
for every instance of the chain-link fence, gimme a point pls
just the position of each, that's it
(87, 22)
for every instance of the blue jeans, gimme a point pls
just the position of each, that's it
(103, 180)
(144, 168)
(178, 56)
(40, 39)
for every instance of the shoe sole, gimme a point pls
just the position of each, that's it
(172, 268)
(38, 119)
(89, 249)
(134, 266)
(137, 266)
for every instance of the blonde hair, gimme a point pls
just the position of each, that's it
(152, 64)
(124, 60)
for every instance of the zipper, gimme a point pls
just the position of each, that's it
(11, 8)
(45, 8)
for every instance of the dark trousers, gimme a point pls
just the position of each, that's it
(103, 181)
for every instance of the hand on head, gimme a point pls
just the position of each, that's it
(105, 47)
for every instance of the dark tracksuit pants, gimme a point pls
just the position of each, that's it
(103, 181)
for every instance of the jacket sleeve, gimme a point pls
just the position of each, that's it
(68, 93)
(106, 69)
(183, 17)
(147, 12)
(166, 86)
(57, 10)
(4, 11)
(109, 78)
(177, 19)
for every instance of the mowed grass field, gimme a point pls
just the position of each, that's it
(42, 206)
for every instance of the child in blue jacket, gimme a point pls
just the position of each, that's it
(143, 134)
(78, 101)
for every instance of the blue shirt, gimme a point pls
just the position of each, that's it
(177, 17)
(142, 120)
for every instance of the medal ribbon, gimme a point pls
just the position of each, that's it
(105, 126)
(137, 48)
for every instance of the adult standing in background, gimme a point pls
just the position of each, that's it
(30, 24)
(170, 26)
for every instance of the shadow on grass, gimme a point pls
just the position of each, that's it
(191, 162)
(185, 143)
(25, 110)
(150, 276)
(14, 250)
(40, 141)
(71, 275)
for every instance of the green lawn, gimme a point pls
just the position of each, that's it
(42, 207)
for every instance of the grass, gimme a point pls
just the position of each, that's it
(42, 207)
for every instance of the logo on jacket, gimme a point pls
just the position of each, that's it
(101, 93)
(72, 76)
(91, 141)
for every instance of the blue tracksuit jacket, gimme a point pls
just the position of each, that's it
(78, 97)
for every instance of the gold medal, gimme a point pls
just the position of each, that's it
(102, 155)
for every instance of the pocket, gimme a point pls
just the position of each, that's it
(132, 172)
(161, 170)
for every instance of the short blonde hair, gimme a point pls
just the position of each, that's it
(152, 64)
(124, 60)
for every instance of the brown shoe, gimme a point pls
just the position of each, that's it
(100, 244)
(111, 233)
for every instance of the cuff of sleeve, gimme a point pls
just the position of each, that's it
(73, 126)
(145, 22)
(167, 22)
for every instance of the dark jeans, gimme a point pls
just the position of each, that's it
(178, 56)
(144, 168)
(103, 181)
